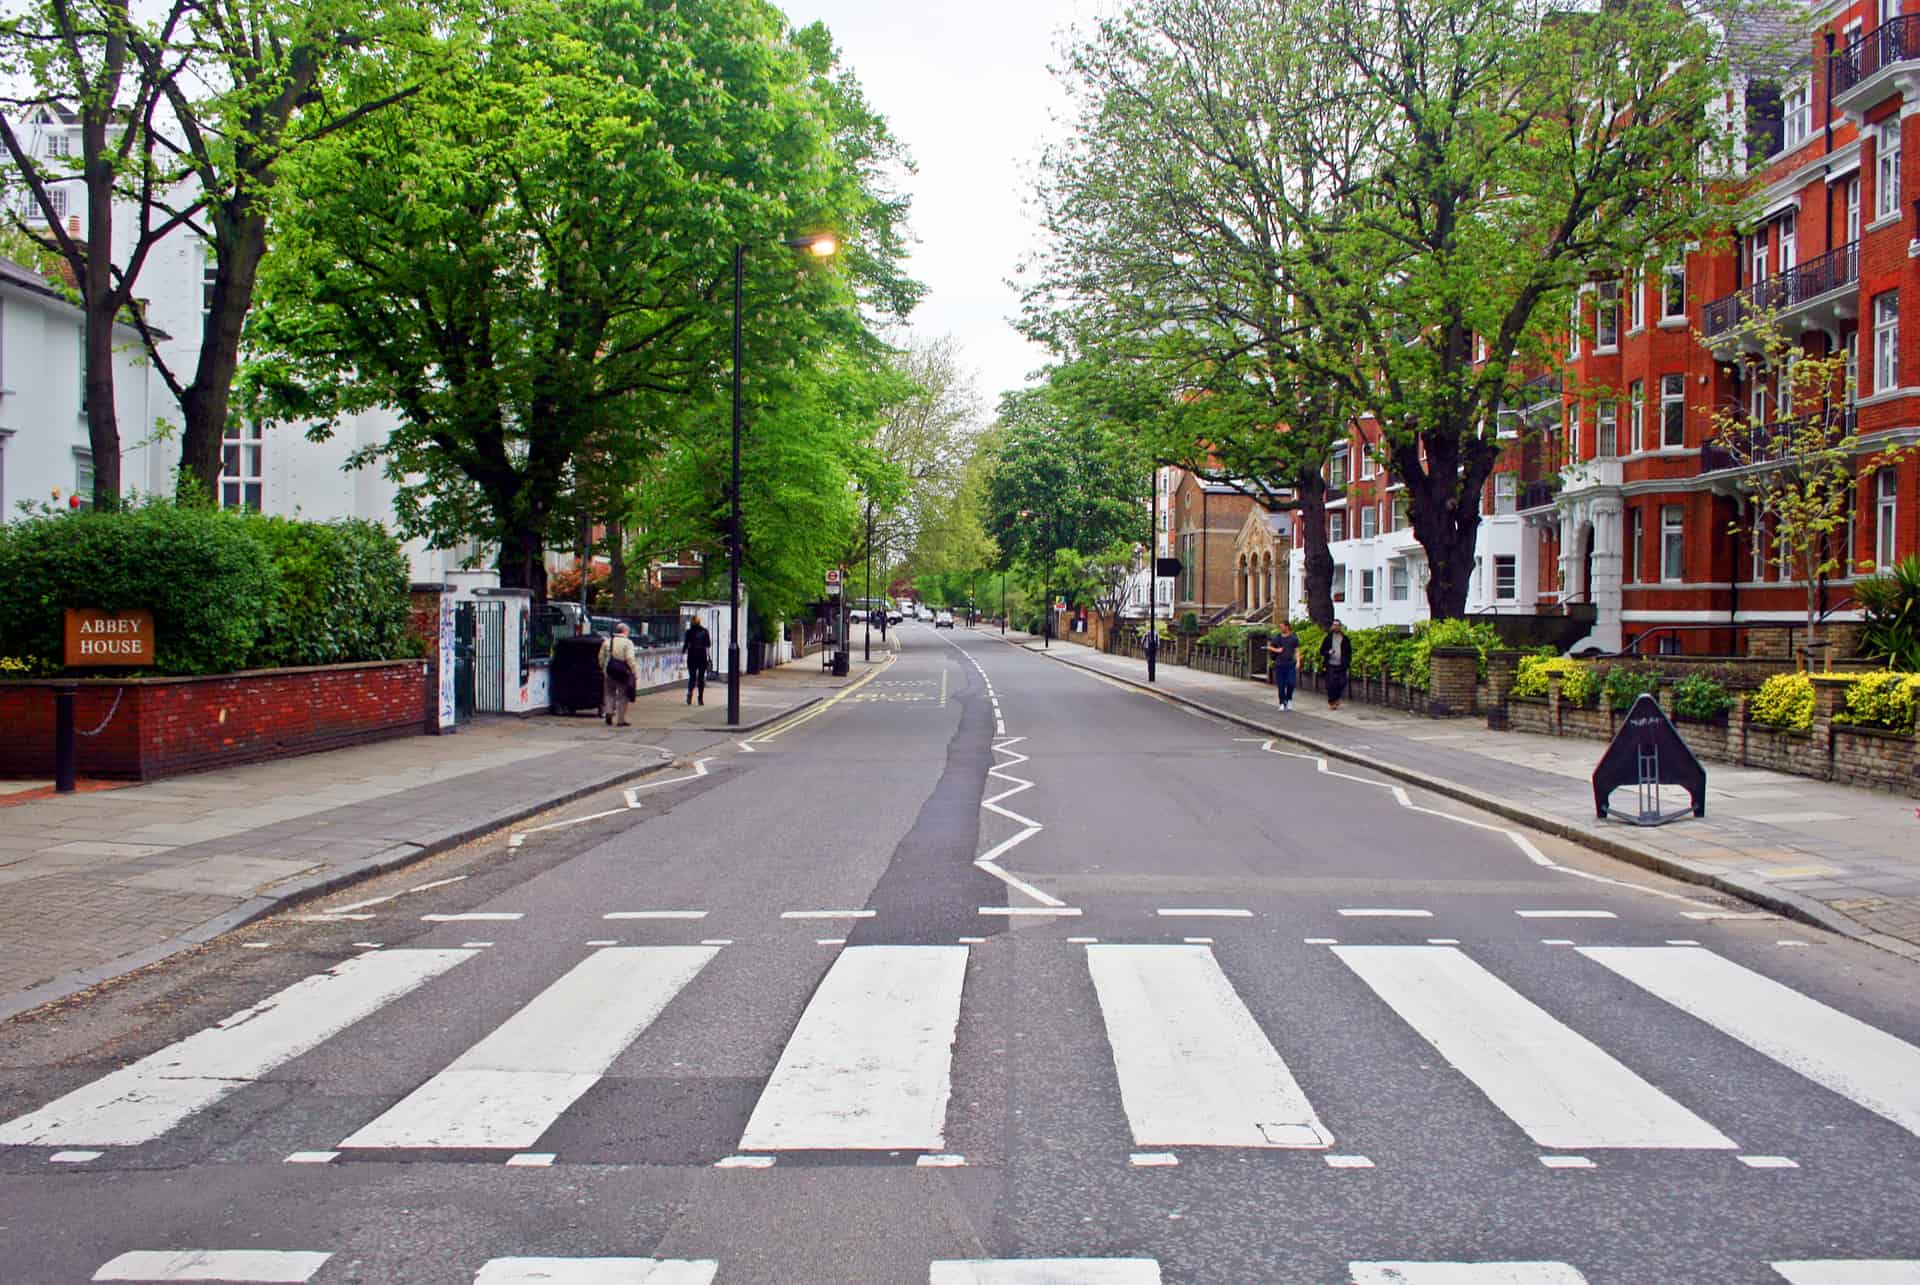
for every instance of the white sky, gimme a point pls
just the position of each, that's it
(966, 88)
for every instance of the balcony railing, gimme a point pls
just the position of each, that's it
(1895, 40)
(1834, 270)
(1764, 443)
(1539, 494)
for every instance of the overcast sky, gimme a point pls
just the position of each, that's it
(966, 88)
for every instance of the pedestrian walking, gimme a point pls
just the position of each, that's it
(1336, 653)
(697, 646)
(1284, 647)
(619, 676)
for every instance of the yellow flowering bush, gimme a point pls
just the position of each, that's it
(1784, 700)
(1579, 685)
(1885, 700)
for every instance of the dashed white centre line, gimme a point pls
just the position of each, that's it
(827, 914)
(1566, 914)
(1383, 912)
(1199, 912)
(1566, 1162)
(475, 917)
(1029, 910)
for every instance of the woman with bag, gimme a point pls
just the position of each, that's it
(618, 677)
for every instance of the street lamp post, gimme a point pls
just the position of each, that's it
(821, 246)
(866, 642)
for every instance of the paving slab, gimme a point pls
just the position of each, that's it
(1835, 847)
(113, 878)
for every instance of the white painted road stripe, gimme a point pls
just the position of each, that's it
(597, 1271)
(1851, 1271)
(656, 914)
(1366, 912)
(1195, 1069)
(1553, 1082)
(827, 914)
(1203, 913)
(1835, 1051)
(1566, 914)
(509, 1088)
(1046, 1271)
(138, 1103)
(475, 917)
(1464, 1274)
(869, 1066)
(283, 1267)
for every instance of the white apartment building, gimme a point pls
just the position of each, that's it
(274, 470)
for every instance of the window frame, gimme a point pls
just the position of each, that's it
(1506, 577)
(1673, 544)
(1336, 525)
(1399, 581)
(1673, 412)
(1886, 341)
(1636, 416)
(1606, 429)
(1606, 317)
(1369, 522)
(242, 489)
(1886, 168)
(1886, 515)
(1673, 302)
(1637, 307)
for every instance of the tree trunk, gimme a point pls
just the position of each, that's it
(523, 563)
(205, 404)
(99, 304)
(1444, 503)
(1312, 489)
(617, 555)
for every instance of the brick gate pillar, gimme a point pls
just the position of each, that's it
(1453, 682)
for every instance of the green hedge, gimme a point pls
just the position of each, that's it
(340, 594)
(1398, 654)
(228, 591)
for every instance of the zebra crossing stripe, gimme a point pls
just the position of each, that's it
(1852, 1271)
(268, 1266)
(1835, 1051)
(1557, 1085)
(1194, 1067)
(869, 1066)
(1045, 1271)
(509, 1088)
(597, 1271)
(1464, 1274)
(140, 1102)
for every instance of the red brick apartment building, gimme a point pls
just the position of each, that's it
(1648, 522)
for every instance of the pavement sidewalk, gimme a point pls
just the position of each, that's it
(1843, 858)
(98, 883)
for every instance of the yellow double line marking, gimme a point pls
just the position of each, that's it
(815, 711)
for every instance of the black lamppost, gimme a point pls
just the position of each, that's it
(866, 642)
(821, 245)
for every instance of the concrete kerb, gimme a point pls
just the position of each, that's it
(297, 891)
(1779, 901)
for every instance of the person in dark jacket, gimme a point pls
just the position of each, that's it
(1336, 654)
(1284, 647)
(697, 646)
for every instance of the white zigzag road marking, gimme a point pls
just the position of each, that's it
(1520, 840)
(632, 793)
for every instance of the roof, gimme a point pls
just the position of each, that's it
(22, 277)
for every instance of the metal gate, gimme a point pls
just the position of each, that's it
(490, 656)
(462, 662)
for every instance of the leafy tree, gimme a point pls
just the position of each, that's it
(1802, 473)
(1425, 183)
(1060, 481)
(187, 112)
(533, 262)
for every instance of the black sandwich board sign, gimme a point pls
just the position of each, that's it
(1647, 752)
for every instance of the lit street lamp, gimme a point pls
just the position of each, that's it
(821, 245)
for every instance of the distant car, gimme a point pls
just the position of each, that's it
(857, 615)
(943, 621)
(893, 616)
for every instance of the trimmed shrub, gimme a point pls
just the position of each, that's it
(1578, 685)
(1624, 685)
(340, 594)
(202, 572)
(1784, 700)
(1885, 700)
(1310, 638)
(1224, 635)
(1700, 698)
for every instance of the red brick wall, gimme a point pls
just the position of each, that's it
(166, 726)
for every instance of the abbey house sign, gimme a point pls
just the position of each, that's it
(96, 637)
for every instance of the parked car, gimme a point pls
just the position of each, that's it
(944, 620)
(857, 616)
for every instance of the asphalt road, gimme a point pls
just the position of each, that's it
(989, 971)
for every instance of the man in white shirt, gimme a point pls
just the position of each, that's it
(617, 680)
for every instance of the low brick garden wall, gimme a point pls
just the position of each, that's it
(155, 727)
(1830, 751)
